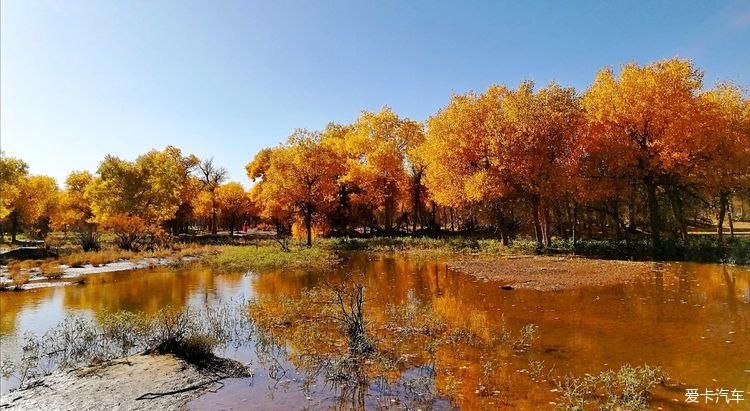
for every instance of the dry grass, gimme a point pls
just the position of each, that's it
(17, 277)
(97, 258)
(51, 269)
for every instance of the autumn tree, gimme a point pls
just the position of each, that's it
(211, 176)
(643, 124)
(12, 172)
(133, 199)
(466, 158)
(33, 207)
(727, 169)
(374, 148)
(75, 213)
(412, 134)
(298, 180)
(234, 205)
(533, 140)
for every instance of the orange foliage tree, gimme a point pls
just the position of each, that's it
(643, 126)
(297, 180)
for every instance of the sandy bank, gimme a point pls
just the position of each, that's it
(553, 273)
(139, 382)
(37, 280)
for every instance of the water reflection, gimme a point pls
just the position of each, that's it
(691, 319)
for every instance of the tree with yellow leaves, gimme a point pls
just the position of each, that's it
(233, 204)
(134, 199)
(298, 181)
(727, 169)
(75, 213)
(37, 200)
(644, 125)
(12, 172)
(374, 148)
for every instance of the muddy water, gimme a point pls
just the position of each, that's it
(691, 319)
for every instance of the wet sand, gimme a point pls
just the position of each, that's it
(69, 274)
(119, 385)
(553, 273)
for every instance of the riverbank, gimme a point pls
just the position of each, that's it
(137, 382)
(66, 275)
(699, 248)
(545, 273)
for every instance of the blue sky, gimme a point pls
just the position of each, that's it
(223, 79)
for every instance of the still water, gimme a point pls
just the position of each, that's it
(691, 319)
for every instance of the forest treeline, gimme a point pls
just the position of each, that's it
(645, 151)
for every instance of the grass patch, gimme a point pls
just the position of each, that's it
(265, 257)
(436, 245)
(697, 248)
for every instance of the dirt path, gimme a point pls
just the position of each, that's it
(119, 384)
(554, 273)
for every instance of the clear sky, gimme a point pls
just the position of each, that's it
(223, 79)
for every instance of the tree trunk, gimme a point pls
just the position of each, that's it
(653, 211)
(723, 197)
(679, 214)
(13, 227)
(213, 215)
(632, 210)
(574, 223)
(308, 228)
(537, 222)
(730, 215)
(547, 231)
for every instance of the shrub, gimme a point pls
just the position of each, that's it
(51, 269)
(628, 388)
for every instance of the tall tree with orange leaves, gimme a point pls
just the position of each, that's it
(643, 124)
(728, 167)
(299, 180)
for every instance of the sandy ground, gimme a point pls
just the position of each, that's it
(118, 385)
(39, 281)
(553, 273)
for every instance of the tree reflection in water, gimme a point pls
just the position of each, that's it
(363, 357)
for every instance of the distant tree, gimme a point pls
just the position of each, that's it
(33, 208)
(234, 205)
(211, 177)
(12, 172)
(75, 213)
(375, 153)
(141, 195)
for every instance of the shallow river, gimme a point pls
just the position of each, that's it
(691, 319)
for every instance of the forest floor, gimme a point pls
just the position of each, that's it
(553, 273)
(138, 382)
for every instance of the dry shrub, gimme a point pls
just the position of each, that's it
(51, 269)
